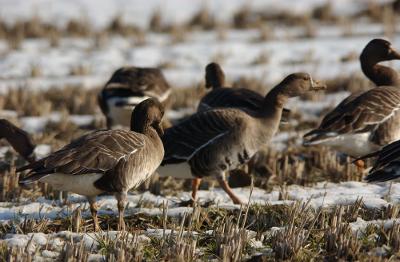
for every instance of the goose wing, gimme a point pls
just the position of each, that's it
(358, 114)
(387, 163)
(134, 81)
(181, 142)
(232, 97)
(242, 98)
(97, 152)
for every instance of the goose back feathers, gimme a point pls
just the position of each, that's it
(229, 97)
(127, 87)
(362, 117)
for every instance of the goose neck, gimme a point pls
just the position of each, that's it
(379, 74)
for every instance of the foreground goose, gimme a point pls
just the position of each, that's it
(111, 161)
(362, 123)
(18, 139)
(127, 87)
(213, 142)
(232, 97)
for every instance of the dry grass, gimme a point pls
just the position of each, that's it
(301, 233)
(203, 19)
(27, 102)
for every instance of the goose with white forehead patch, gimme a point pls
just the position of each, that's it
(106, 161)
(213, 142)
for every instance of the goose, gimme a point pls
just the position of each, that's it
(18, 139)
(386, 165)
(216, 141)
(106, 161)
(127, 87)
(222, 96)
(364, 122)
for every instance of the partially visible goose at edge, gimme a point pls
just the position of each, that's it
(111, 161)
(127, 87)
(222, 96)
(213, 142)
(387, 163)
(18, 139)
(362, 123)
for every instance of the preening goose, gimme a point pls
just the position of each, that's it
(111, 161)
(362, 123)
(213, 142)
(222, 96)
(18, 139)
(127, 87)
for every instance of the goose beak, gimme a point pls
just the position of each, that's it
(393, 54)
(317, 85)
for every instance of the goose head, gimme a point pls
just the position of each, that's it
(148, 114)
(378, 50)
(215, 76)
(298, 84)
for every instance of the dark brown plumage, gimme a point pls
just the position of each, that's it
(364, 122)
(222, 96)
(18, 139)
(216, 141)
(127, 87)
(376, 51)
(112, 161)
(387, 164)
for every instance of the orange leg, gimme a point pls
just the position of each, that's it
(224, 185)
(195, 187)
(360, 165)
(93, 211)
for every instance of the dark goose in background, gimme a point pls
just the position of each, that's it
(127, 87)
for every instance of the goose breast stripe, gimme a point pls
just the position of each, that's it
(97, 152)
(184, 140)
(363, 113)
